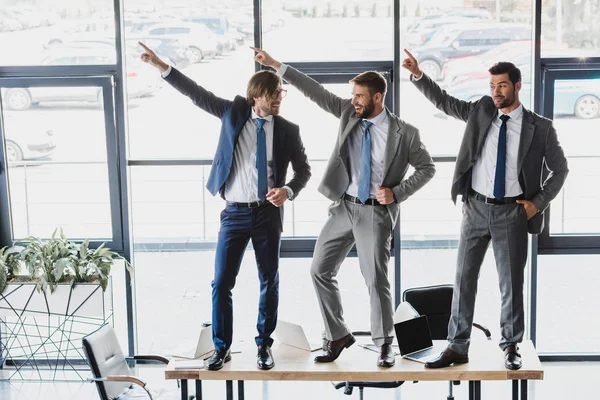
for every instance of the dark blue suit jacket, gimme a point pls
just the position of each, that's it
(287, 144)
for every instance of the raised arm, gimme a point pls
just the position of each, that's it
(201, 97)
(309, 87)
(440, 98)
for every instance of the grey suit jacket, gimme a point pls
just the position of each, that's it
(403, 148)
(541, 161)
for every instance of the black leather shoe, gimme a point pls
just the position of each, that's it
(386, 356)
(512, 359)
(219, 357)
(333, 348)
(264, 357)
(447, 358)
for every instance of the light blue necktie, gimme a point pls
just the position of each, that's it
(364, 177)
(261, 158)
(500, 178)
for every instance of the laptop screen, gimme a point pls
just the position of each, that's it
(413, 335)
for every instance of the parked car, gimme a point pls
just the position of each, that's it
(571, 97)
(421, 32)
(141, 81)
(199, 41)
(462, 40)
(25, 140)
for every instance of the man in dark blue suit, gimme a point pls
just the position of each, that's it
(249, 169)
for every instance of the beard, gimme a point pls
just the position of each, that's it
(367, 111)
(270, 109)
(506, 101)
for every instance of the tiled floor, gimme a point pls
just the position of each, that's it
(572, 381)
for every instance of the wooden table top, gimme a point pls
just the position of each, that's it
(486, 362)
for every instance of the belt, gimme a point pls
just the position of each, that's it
(253, 204)
(369, 202)
(491, 200)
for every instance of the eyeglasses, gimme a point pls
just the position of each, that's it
(281, 92)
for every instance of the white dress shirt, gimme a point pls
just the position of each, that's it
(242, 183)
(484, 170)
(379, 134)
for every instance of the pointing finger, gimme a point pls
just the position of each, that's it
(409, 54)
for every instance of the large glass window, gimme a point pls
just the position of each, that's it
(567, 302)
(56, 149)
(301, 30)
(570, 28)
(576, 116)
(58, 32)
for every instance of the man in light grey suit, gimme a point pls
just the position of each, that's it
(365, 179)
(508, 169)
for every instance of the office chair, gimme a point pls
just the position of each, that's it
(435, 302)
(111, 372)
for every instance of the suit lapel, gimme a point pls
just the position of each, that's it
(487, 123)
(352, 122)
(527, 131)
(392, 143)
(278, 140)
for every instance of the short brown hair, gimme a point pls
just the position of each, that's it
(503, 67)
(373, 80)
(262, 83)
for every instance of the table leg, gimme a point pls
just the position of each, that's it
(515, 389)
(184, 389)
(229, 389)
(471, 390)
(524, 389)
(240, 390)
(477, 386)
(198, 389)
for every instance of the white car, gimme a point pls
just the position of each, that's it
(26, 141)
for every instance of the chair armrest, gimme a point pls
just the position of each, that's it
(485, 330)
(119, 378)
(152, 357)
(123, 378)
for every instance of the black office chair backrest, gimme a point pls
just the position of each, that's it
(435, 302)
(106, 358)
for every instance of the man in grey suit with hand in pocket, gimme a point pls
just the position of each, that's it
(508, 169)
(365, 179)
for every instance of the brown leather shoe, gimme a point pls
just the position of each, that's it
(333, 348)
(386, 356)
(512, 359)
(447, 358)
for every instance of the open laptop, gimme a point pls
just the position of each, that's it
(204, 346)
(293, 335)
(414, 340)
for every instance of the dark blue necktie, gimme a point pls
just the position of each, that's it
(261, 158)
(500, 179)
(364, 177)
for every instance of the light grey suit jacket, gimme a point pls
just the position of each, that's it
(403, 148)
(541, 161)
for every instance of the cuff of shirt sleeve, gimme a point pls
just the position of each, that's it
(290, 192)
(412, 77)
(167, 72)
(282, 69)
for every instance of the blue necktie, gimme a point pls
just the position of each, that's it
(500, 179)
(261, 158)
(364, 177)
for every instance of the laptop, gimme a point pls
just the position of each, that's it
(293, 335)
(414, 340)
(204, 346)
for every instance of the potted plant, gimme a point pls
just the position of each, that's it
(56, 260)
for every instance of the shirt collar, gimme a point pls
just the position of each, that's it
(378, 119)
(268, 117)
(514, 114)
